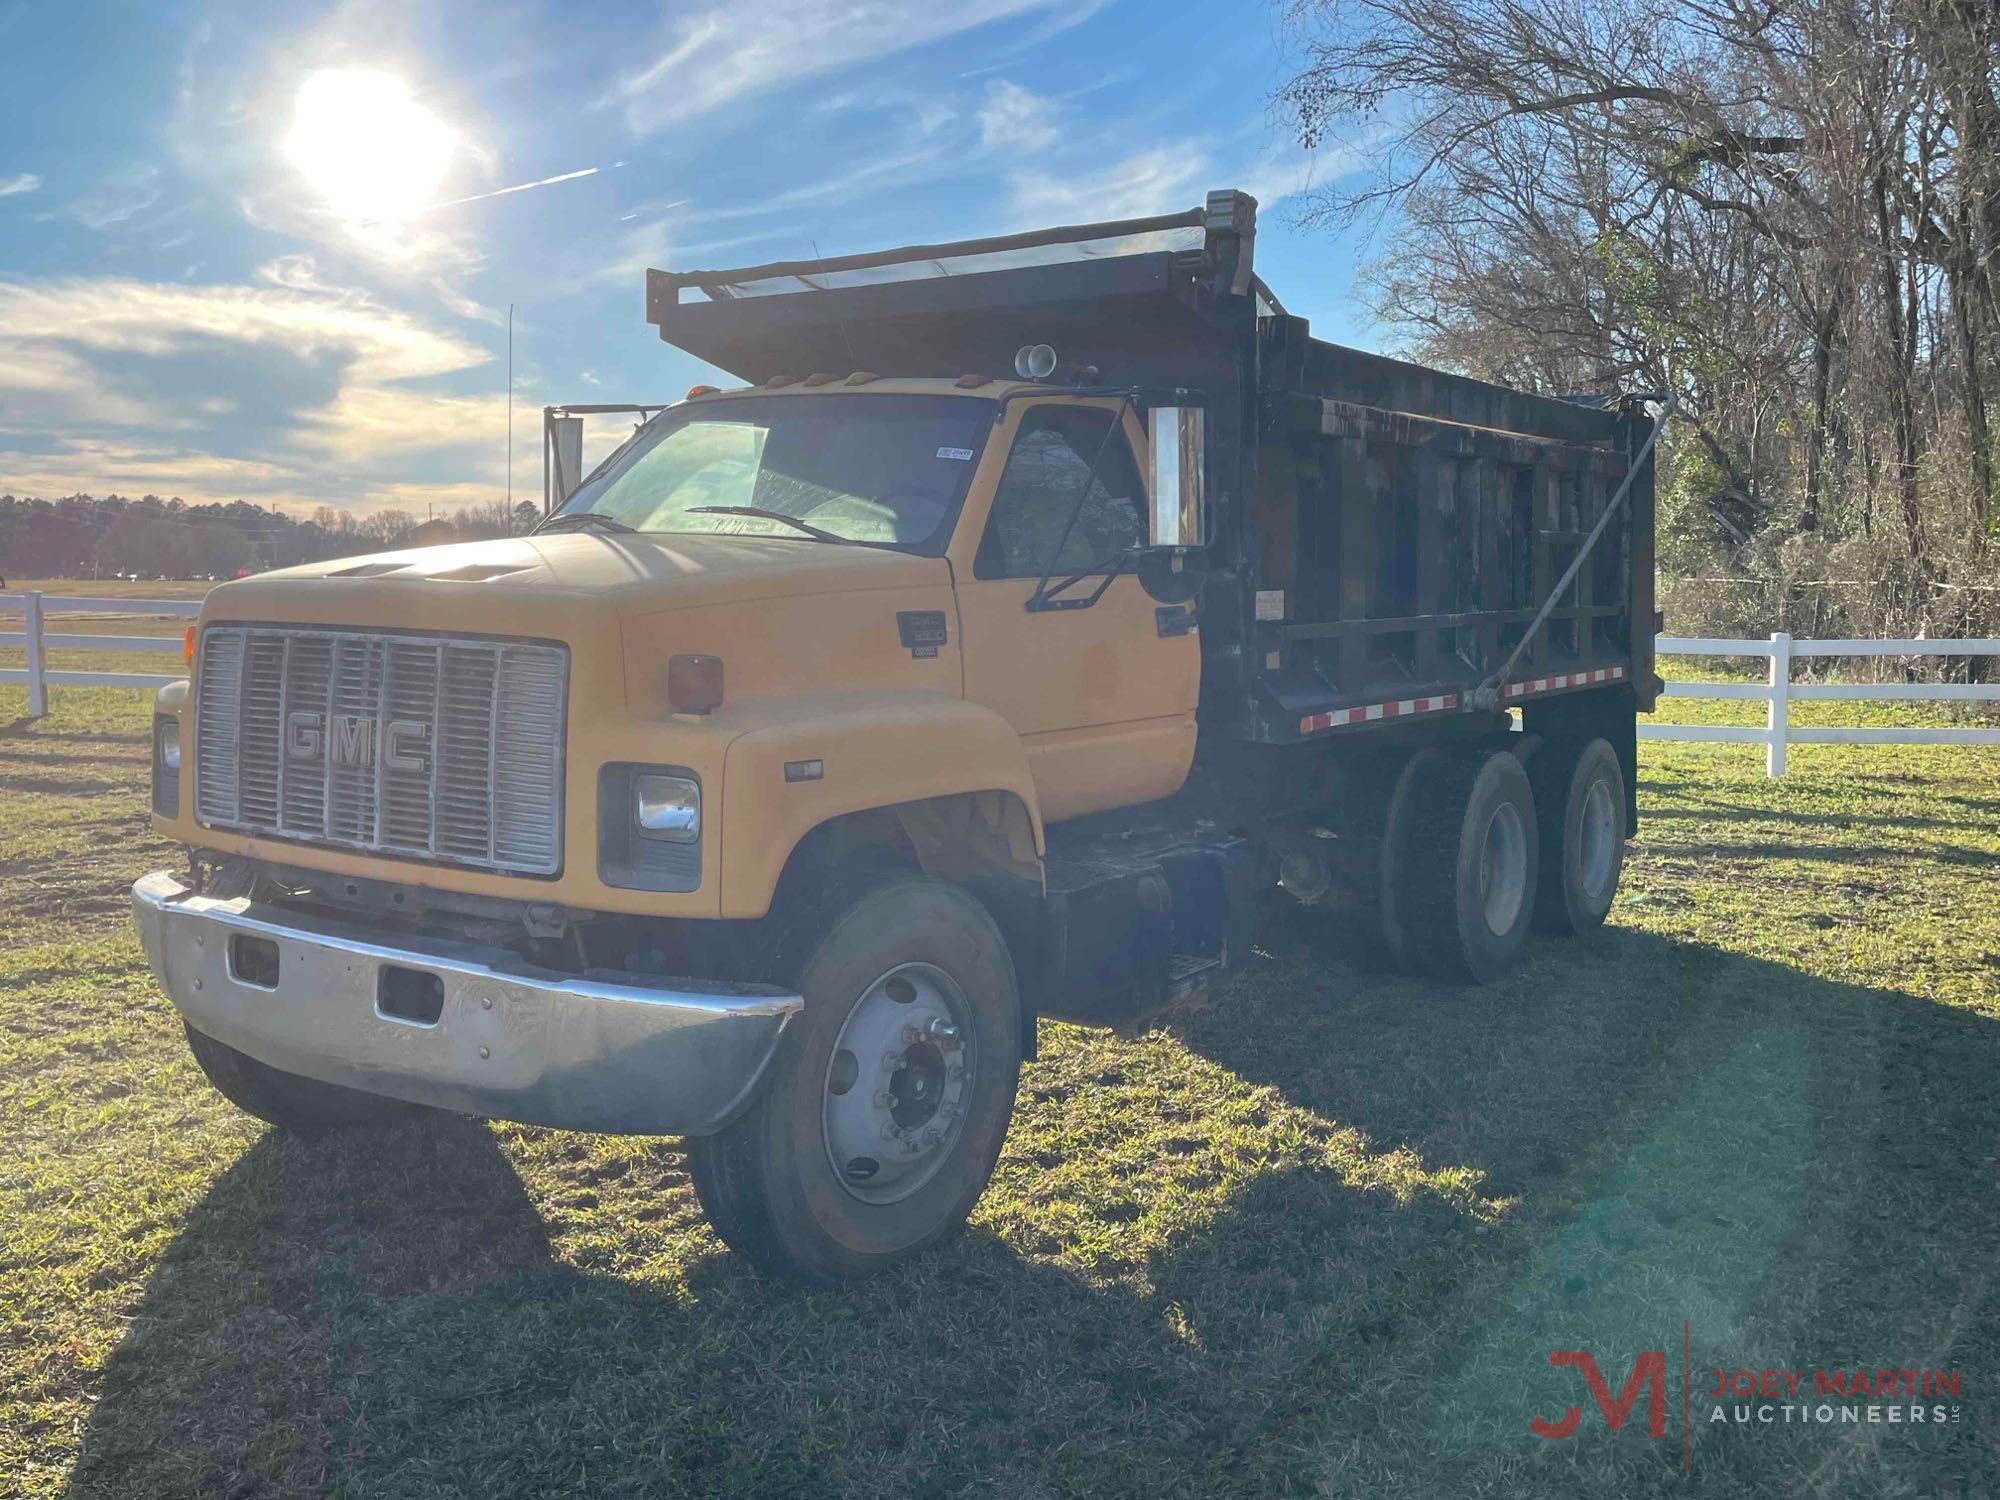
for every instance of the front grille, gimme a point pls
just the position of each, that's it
(433, 747)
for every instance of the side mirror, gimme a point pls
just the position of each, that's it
(562, 459)
(1176, 460)
(1173, 569)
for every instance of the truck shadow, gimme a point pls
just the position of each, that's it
(1632, 1132)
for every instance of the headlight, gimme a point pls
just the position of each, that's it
(667, 807)
(166, 766)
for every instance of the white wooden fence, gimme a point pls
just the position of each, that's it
(1779, 691)
(39, 679)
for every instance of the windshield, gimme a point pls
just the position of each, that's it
(886, 470)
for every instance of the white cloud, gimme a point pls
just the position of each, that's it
(120, 197)
(1165, 178)
(1155, 181)
(311, 393)
(1015, 119)
(368, 424)
(671, 242)
(725, 52)
(295, 273)
(24, 182)
(461, 305)
(116, 317)
(646, 246)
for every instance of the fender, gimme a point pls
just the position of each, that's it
(875, 748)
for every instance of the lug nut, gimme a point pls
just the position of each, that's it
(942, 1030)
(884, 1099)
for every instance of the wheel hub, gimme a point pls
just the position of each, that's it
(1598, 847)
(898, 1083)
(1503, 868)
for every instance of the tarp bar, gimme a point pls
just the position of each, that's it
(1194, 218)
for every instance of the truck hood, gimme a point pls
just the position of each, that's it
(786, 616)
(633, 575)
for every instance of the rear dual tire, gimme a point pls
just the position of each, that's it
(1581, 810)
(1476, 850)
(1463, 885)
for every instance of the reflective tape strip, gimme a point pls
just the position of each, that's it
(1368, 713)
(1564, 680)
(1403, 707)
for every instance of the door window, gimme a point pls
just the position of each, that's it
(1049, 469)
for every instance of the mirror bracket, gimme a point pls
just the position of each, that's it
(1171, 574)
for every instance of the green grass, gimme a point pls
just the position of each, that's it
(1317, 1235)
(111, 588)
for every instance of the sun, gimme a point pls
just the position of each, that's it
(367, 146)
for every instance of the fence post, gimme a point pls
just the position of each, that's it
(1777, 721)
(38, 687)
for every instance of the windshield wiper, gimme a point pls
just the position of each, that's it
(576, 520)
(762, 514)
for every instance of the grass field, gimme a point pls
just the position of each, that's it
(1318, 1235)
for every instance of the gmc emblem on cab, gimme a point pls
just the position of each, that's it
(350, 741)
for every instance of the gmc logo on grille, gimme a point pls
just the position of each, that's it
(349, 740)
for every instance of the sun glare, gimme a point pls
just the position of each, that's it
(367, 146)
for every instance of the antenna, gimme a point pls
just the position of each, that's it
(510, 409)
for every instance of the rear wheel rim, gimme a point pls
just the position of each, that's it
(1597, 840)
(894, 1100)
(1503, 869)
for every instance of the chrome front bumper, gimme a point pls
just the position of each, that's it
(618, 1053)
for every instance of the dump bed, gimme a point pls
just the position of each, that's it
(1381, 537)
(1406, 527)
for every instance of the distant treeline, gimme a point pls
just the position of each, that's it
(88, 536)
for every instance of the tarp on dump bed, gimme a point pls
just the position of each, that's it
(1132, 297)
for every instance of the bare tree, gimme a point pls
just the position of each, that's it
(1787, 212)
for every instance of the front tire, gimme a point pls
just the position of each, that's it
(303, 1106)
(892, 1095)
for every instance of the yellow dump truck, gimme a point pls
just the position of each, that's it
(1039, 607)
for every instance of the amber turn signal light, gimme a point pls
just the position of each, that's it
(187, 645)
(694, 684)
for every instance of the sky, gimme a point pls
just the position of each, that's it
(267, 252)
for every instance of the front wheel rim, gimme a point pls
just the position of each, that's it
(895, 1098)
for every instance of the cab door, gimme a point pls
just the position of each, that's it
(1102, 696)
